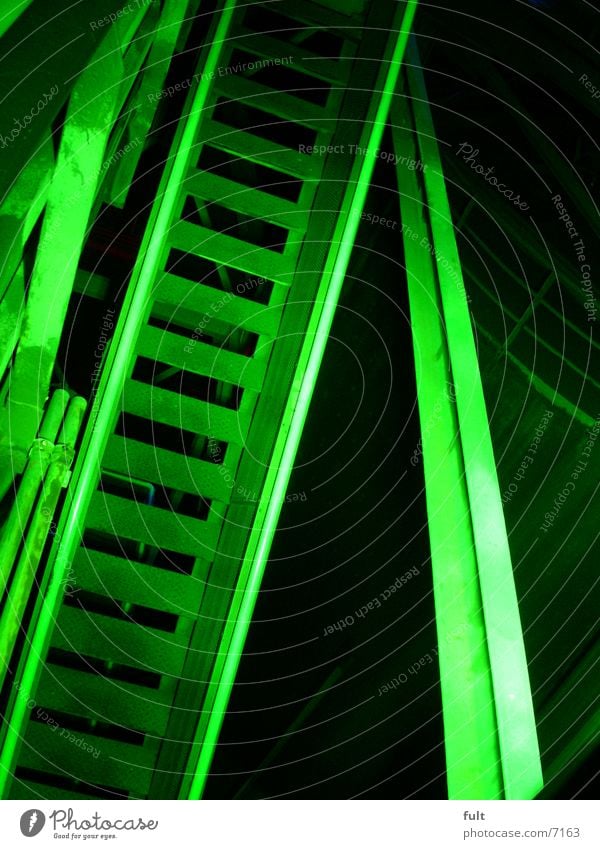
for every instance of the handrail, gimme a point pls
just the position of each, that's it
(305, 376)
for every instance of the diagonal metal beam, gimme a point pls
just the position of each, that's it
(470, 731)
(521, 775)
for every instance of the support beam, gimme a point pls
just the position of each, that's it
(16, 9)
(516, 729)
(80, 167)
(470, 732)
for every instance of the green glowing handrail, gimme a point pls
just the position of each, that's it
(305, 376)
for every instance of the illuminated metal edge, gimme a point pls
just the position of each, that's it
(109, 391)
(519, 748)
(9, 17)
(473, 766)
(276, 481)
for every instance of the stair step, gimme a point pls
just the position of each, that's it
(305, 61)
(92, 285)
(121, 765)
(251, 202)
(140, 583)
(211, 305)
(316, 15)
(25, 788)
(118, 641)
(216, 363)
(92, 696)
(122, 517)
(228, 250)
(273, 102)
(266, 153)
(167, 468)
(172, 408)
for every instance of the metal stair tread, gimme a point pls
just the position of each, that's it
(151, 525)
(162, 405)
(130, 581)
(86, 694)
(246, 145)
(118, 641)
(268, 45)
(38, 790)
(203, 359)
(119, 764)
(213, 304)
(274, 103)
(313, 14)
(167, 468)
(224, 249)
(248, 201)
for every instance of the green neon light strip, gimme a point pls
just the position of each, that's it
(8, 18)
(473, 766)
(109, 390)
(521, 765)
(272, 496)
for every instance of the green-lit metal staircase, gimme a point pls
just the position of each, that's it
(171, 502)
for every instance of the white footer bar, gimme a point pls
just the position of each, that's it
(300, 824)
